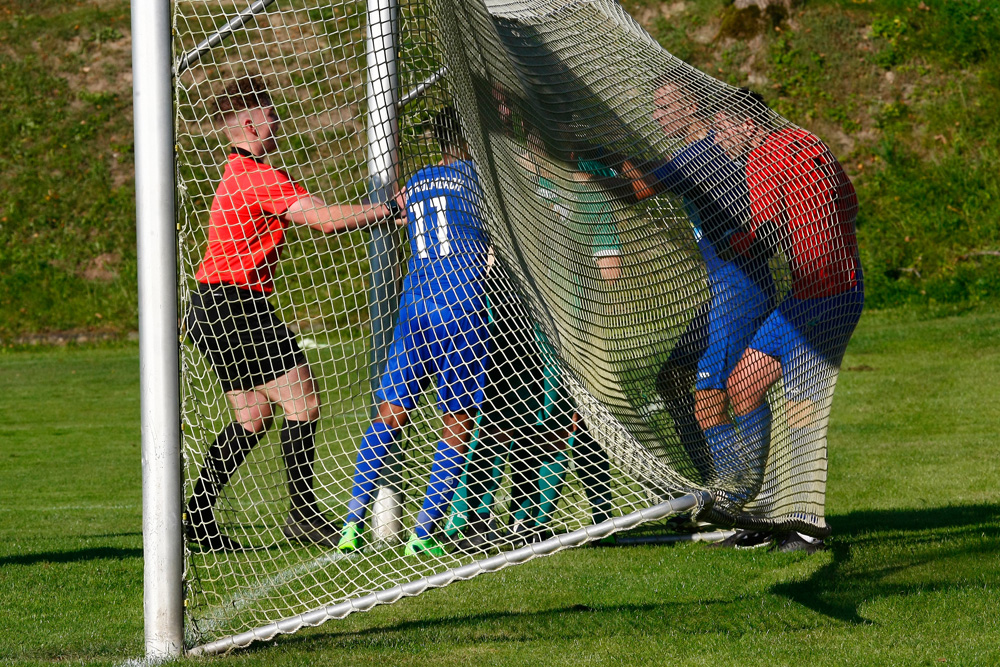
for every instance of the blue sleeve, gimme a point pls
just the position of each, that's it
(672, 175)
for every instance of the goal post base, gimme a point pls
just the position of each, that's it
(491, 564)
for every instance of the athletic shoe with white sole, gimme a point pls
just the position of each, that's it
(792, 542)
(745, 539)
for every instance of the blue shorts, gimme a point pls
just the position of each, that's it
(447, 342)
(739, 306)
(809, 337)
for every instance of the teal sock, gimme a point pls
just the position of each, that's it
(551, 476)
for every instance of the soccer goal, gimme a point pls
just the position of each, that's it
(639, 282)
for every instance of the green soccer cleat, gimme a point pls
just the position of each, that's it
(350, 538)
(428, 546)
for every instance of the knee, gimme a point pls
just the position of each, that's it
(305, 408)
(256, 419)
(740, 398)
(312, 406)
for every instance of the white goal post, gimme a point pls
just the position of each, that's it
(163, 557)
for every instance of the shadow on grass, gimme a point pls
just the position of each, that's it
(885, 553)
(569, 623)
(81, 555)
(875, 555)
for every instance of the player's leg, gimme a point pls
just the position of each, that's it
(739, 446)
(674, 383)
(594, 470)
(458, 341)
(296, 393)
(711, 403)
(234, 329)
(445, 470)
(551, 478)
(525, 459)
(226, 454)
(372, 452)
(489, 453)
(509, 402)
(810, 374)
(402, 381)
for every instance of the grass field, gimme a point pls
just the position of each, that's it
(912, 576)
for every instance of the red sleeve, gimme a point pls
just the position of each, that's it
(276, 191)
(767, 181)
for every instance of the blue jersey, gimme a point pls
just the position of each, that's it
(448, 242)
(716, 198)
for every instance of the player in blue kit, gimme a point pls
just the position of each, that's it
(712, 183)
(441, 331)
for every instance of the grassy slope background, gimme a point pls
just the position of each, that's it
(905, 92)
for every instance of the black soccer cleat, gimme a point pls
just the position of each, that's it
(478, 538)
(745, 539)
(210, 538)
(313, 530)
(792, 542)
(518, 535)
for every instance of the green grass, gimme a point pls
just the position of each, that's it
(911, 577)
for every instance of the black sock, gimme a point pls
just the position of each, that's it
(223, 458)
(298, 447)
(595, 474)
(524, 480)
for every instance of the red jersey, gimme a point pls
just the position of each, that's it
(245, 229)
(798, 186)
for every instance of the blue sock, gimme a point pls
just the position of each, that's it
(444, 476)
(374, 446)
(723, 446)
(755, 432)
(755, 435)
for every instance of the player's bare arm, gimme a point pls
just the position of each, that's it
(313, 212)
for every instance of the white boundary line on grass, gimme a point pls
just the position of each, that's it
(71, 508)
(221, 613)
(490, 564)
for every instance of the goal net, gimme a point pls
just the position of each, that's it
(656, 327)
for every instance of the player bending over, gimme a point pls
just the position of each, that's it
(233, 324)
(712, 182)
(441, 331)
(804, 207)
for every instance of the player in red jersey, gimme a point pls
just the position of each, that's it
(804, 207)
(230, 320)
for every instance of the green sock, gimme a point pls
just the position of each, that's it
(551, 475)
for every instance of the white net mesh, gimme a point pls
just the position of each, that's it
(627, 283)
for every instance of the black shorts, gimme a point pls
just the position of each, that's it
(241, 336)
(514, 385)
